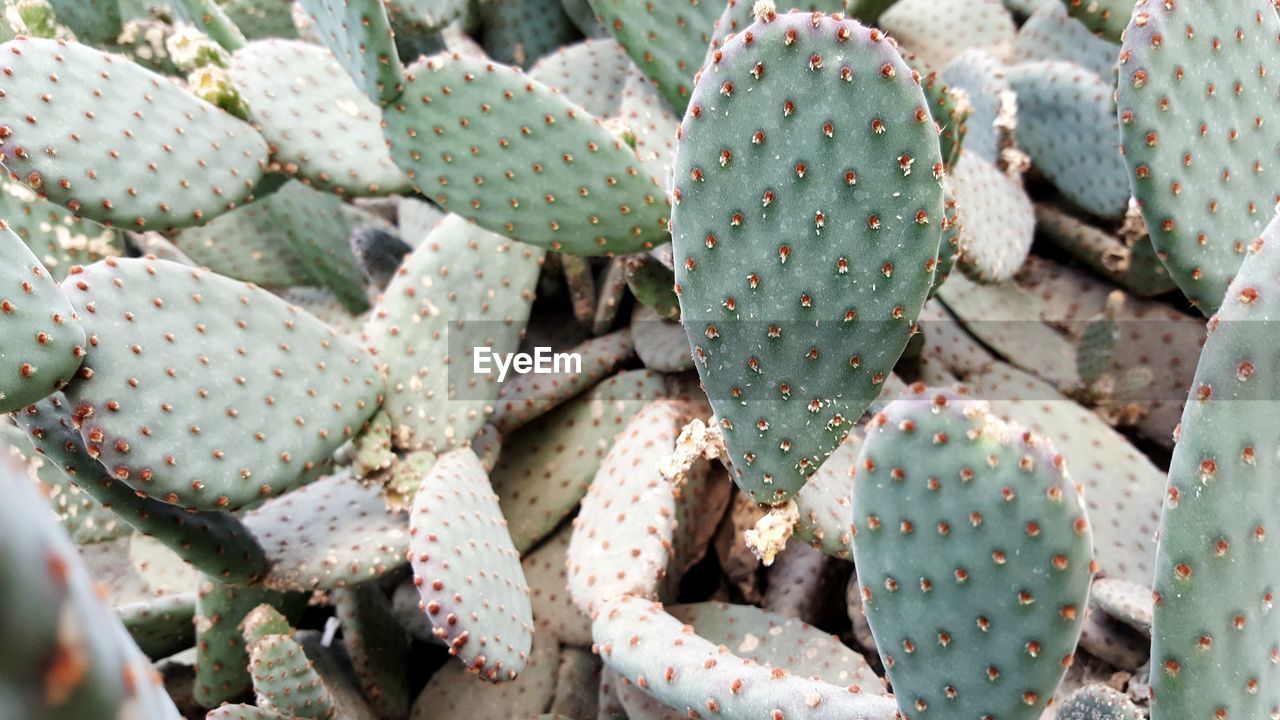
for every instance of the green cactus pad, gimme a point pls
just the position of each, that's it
(452, 694)
(58, 239)
(93, 21)
(331, 534)
(208, 161)
(591, 73)
(529, 396)
(661, 655)
(667, 40)
(974, 557)
(563, 182)
(1051, 34)
(44, 343)
(547, 466)
(320, 125)
(660, 344)
(285, 681)
(245, 712)
(997, 220)
(1107, 18)
(938, 30)
(1129, 602)
(519, 32)
(161, 627)
(259, 19)
(359, 34)
(1135, 268)
(1098, 702)
(1066, 123)
(456, 526)
(463, 288)
(981, 76)
(68, 656)
(148, 413)
(801, 274)
(555, 615)
(613, 291)
(652, 283)
(625, 536)
(1191, 118)
(222, 658)
(1213, 637)
(215, 542)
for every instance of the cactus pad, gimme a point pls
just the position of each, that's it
(1098, 702)
(591, 73)
(82, 142)
(938, 30)
(665, 657)
(1193, 93)
(563, 182)
(997, 220)
(1214, 633)
(331, 534)
(801, 274)
(555, 615)
(321, 127)
(44, 344)
(484, 617)
(974, 558)
(667, 40)
(1051, 34)
(1107, 18)
(359, 34)
(1066, 123)
(145, 411)
(463, 288)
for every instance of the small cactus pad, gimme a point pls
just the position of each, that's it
(1051, 34)
(67, 655)
(173, 348)
(667, 40)
(1134, 267)
(974, 558)
(320, 125)
(624, 537)
(1129, 602)
(981, 77)
(660, 344)
(222, 657)
(666, 657)
(359, 34)
(1098, 702)
(825, 502)
(283, 678)
(161, 626)
(245, 712)
(330, 534)
(1107, 18)
(484, 617)
(463, 134)
(1214, 633)
(82, 141)
(997, 220)
(1066, 123)
(462, 289)
(215, 542)
(546, 467)
(95, 21)
(44, 344)
(1193, 92)
(938, 30)
(801, 273)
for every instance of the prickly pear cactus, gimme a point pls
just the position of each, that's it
(183, 396)
(213, 160)
(44, 344)
(667, 40)
(1193, 93)
(1212, 638)
(359, 34)
(974, 558)
(801, 273)
(564, 183)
